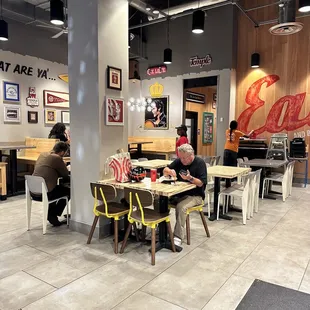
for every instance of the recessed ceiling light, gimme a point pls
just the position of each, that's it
(155, 11)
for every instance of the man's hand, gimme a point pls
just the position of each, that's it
(186, 177)
(170, 172)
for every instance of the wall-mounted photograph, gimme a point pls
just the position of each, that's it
(156, 113)
(56, 99)
(65, 117)
(50, 116)
(11, 114)
(114, 111)
(32, 117)
(114, 78)
(11, 92)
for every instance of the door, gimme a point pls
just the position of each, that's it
(191, 121)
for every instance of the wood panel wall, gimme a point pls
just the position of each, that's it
(283, 101)
(209, 148)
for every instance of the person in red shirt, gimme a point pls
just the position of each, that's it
(182, 132)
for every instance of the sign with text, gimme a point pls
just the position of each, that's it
(156, 70)
(32, 101)
(196, 61)
(25, 70)
(56, 99)
(195, 97)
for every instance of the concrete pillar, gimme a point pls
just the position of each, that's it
(98, 37)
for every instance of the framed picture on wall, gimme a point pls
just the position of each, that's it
(114, 78)
(207, 127)
(11, 114)
(50, 116)
(11, 92)
(65, 117)
(32, 117)
(114, 111)
(156, 113)
(56, 99)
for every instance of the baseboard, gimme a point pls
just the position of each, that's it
(101, 231)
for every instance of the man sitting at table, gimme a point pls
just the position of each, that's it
(188, 168)
(50, 166)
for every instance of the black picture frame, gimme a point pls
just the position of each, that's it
(32, 120)
(116, 72)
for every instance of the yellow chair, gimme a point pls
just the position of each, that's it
(204, 222)
(147, 217)
(109, 208)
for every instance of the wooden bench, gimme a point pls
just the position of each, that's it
(30, 156)
(3, 191)
(163, 146)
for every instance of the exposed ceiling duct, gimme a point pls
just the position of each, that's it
(287, 19)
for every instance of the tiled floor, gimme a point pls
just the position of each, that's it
(59, 271)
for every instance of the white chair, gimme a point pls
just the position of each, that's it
(239, 161)
(208, 191)
(290, 179)
(37, 185)
(244, 193)
(256, 189)
(285, 180)
(142, 159)
(245, 159)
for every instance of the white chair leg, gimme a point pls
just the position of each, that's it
(45, 211)
(244, 212)
(263, 190)
(284, 191)
(28, 204)
(209, 205)
(218, 207)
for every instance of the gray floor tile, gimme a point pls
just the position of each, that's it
(21, 289)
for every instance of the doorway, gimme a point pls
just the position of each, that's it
(191, 122)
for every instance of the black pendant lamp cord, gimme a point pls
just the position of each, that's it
(168, 25)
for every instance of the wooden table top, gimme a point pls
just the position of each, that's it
(271, 163)
(34, 159)
(152, 164)
(146, 142)
(227, 172)
(160, 189)
(15, 146)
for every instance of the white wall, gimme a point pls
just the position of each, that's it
(18, 132)
(173, 87)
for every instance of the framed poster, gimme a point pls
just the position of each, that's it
(50, 116)
(114, 78)
(207, 127)
(156, 113)
(32, 117)
(11, 92)
(56, 99)
(65, 117)
(114, 111)
(11, 114)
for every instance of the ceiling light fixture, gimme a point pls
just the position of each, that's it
(168, 50)
(155, 11)
(57, 12)
(304, 6)
(148, 8)
(255, 60)
(4, 28)
(198, 23)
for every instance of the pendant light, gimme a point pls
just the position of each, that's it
(168, 51)
(198, 24)
(255, 57)
(56, 12)
(4, 29)
(304, 6)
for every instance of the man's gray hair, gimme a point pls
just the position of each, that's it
(186, 148)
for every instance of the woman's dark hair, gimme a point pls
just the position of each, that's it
(233, 126)
(57, 130)
(183, 133)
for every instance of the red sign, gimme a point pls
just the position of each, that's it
(291, 105)
(156, 70)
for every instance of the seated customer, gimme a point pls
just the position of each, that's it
(59, 132)
(50, 166)
(191, 169)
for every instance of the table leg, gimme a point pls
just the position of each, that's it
(217, 188)
(163, 241)
(139, 150)
(13, 169)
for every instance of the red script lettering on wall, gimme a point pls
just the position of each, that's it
(290, 120)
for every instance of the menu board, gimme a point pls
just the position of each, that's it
(207, 125)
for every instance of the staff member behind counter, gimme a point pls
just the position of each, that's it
(50, 166)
